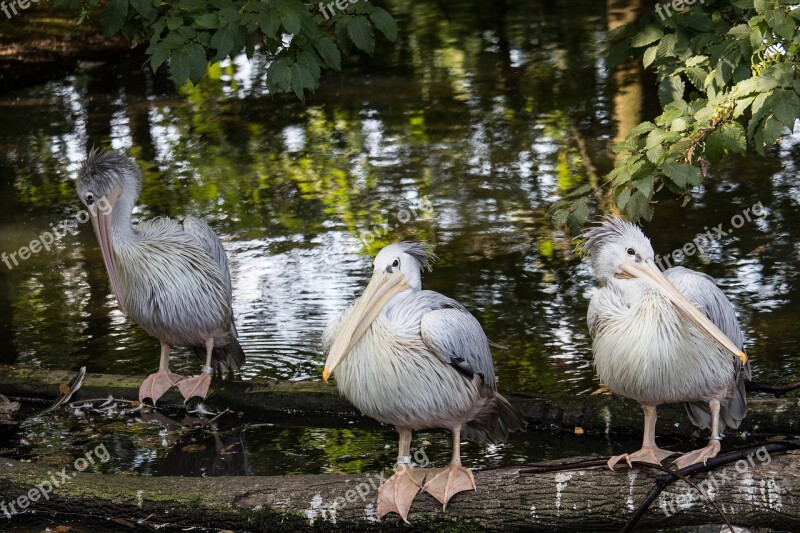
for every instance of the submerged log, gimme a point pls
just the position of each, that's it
(257, 399)
(765, 493)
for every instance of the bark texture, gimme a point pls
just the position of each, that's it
(762, 494)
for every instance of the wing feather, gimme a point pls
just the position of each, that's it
(456, 337)
(702, 291)
(209, 241)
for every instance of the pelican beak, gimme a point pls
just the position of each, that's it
(381, 288)
(100, 213)
(649, 272)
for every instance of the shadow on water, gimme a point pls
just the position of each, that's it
(461, 135)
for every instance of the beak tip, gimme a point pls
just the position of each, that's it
(743, 357)
(325, 375)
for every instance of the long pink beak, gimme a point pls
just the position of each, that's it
(649, 272)
(101, 222)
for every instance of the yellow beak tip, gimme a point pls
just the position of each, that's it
(325, 375)
(743, 357)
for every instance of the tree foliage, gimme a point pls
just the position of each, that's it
(297, 37)
(727, 81)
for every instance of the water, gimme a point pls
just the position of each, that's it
(462, 135)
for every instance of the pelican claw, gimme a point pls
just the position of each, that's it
(196, 386)
(698, 456)
(649, 454)
(156, 385)
(449, 482)
(398, 492)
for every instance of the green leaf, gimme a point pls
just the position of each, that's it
(649, 56)
(360, 32)
(114, 15)
(197, 61)
(179, 66)
(222, 42)
(279, 75)
(208, 21)
(145, 8)
(639, 207)
(291, 22)
(384, 22)
(329, 53)
(639, 129)
(666, 46)
(682, 174)
(670, 89)
(649, 34)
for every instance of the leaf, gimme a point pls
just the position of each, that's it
(279, 75)
(145, 8)
(649, 56)
(208, 21)
(197, 61)
(222, 42)
(360, 32)
(329, 53)
(639, 207)
(682, 174)
(639, 129)
(649, 34)
(666, 46)
(179, 66)
(291, 22)
(670, 89)
(734, 137)
(113, 17)
(384, 22)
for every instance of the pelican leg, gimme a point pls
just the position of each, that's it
(710, 451)
(650, 453)
(451, 480)
(198, 385)
(398, 492)
(155, 385)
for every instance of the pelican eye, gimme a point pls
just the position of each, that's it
(631, 251)
(89, 198)
(396, 263)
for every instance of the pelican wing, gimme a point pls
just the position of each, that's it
(457, 338)
(229, 356)
(206, 237)
(702, 291)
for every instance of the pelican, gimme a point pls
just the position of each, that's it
(669, 337)
(170, 278)
(416, 359)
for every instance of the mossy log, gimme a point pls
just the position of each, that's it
(765, 494)
(257, 399)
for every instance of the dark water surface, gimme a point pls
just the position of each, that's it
(461, 135)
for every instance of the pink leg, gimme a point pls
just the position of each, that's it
(155, 385)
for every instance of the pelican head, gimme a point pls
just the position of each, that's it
(621, 252)
(107, 180)
(396, 269)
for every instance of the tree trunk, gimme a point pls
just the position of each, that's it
(765, 494)
(598, 414)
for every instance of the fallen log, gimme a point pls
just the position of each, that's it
(257, 399)
(765, 493)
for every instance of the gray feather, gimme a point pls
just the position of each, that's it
(702, 291)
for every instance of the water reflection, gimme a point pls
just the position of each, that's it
(489, 114)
